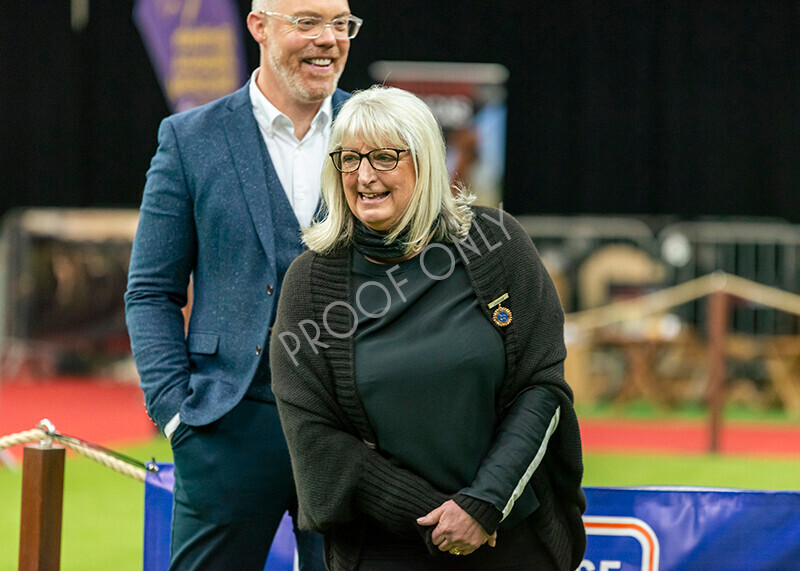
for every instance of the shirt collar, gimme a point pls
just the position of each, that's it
(270, 118)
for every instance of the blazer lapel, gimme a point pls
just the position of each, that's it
(338, 99)
(244, 143)
(243, 135)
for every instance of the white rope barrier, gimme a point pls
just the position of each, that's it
(22, 438)
(46, 434)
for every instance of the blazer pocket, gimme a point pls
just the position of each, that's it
(203, 343)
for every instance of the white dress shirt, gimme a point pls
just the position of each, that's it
(298, 163)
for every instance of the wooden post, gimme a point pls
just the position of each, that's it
(717, 331)
(42, 501)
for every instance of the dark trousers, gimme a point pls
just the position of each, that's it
(233, 483)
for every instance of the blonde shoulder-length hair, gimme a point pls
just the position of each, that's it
(390, 117)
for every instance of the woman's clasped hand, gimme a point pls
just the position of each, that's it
(456, 531)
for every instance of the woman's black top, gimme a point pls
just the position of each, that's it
(428, 364)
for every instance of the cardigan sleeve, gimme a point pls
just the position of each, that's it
(535, 393)
(519, 446)
(339, 477)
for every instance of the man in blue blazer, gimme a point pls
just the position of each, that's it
(226, 193)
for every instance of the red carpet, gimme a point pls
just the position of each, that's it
(112, 414)
(774, 440)
(104, 412)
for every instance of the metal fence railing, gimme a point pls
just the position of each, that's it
(766, 251)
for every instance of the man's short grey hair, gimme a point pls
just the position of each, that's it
(390, 117)
(258, 5)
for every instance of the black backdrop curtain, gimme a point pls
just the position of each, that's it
(684, 108)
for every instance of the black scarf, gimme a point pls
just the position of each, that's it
(372, 244)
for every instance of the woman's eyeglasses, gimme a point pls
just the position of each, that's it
(347, 161)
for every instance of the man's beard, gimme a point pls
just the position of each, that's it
(293, 81)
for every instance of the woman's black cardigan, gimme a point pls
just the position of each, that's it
(340, 476)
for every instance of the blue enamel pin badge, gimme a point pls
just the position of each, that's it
(502, 315)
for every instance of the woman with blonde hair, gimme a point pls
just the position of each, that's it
(417, 362)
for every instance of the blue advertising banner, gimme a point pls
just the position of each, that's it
(647, 529)
(691, 528)
(195, 47)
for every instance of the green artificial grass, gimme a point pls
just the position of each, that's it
(104, 511)
(700, 470)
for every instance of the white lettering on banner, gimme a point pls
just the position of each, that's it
(626, 527)
(587, 565)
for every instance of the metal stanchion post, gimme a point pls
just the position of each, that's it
(42, 501)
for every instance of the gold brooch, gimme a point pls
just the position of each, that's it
(502, 315)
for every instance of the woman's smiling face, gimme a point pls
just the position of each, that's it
(378, 198)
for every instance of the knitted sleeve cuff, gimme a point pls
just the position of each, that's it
(483, 512)
(395, 497)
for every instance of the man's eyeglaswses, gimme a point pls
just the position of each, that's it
(311, 27)
(347, 161)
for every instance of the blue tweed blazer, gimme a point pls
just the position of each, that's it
(205, 213)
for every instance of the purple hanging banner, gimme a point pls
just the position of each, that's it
(195, 47)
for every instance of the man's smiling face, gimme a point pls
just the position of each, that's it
(307, 69)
